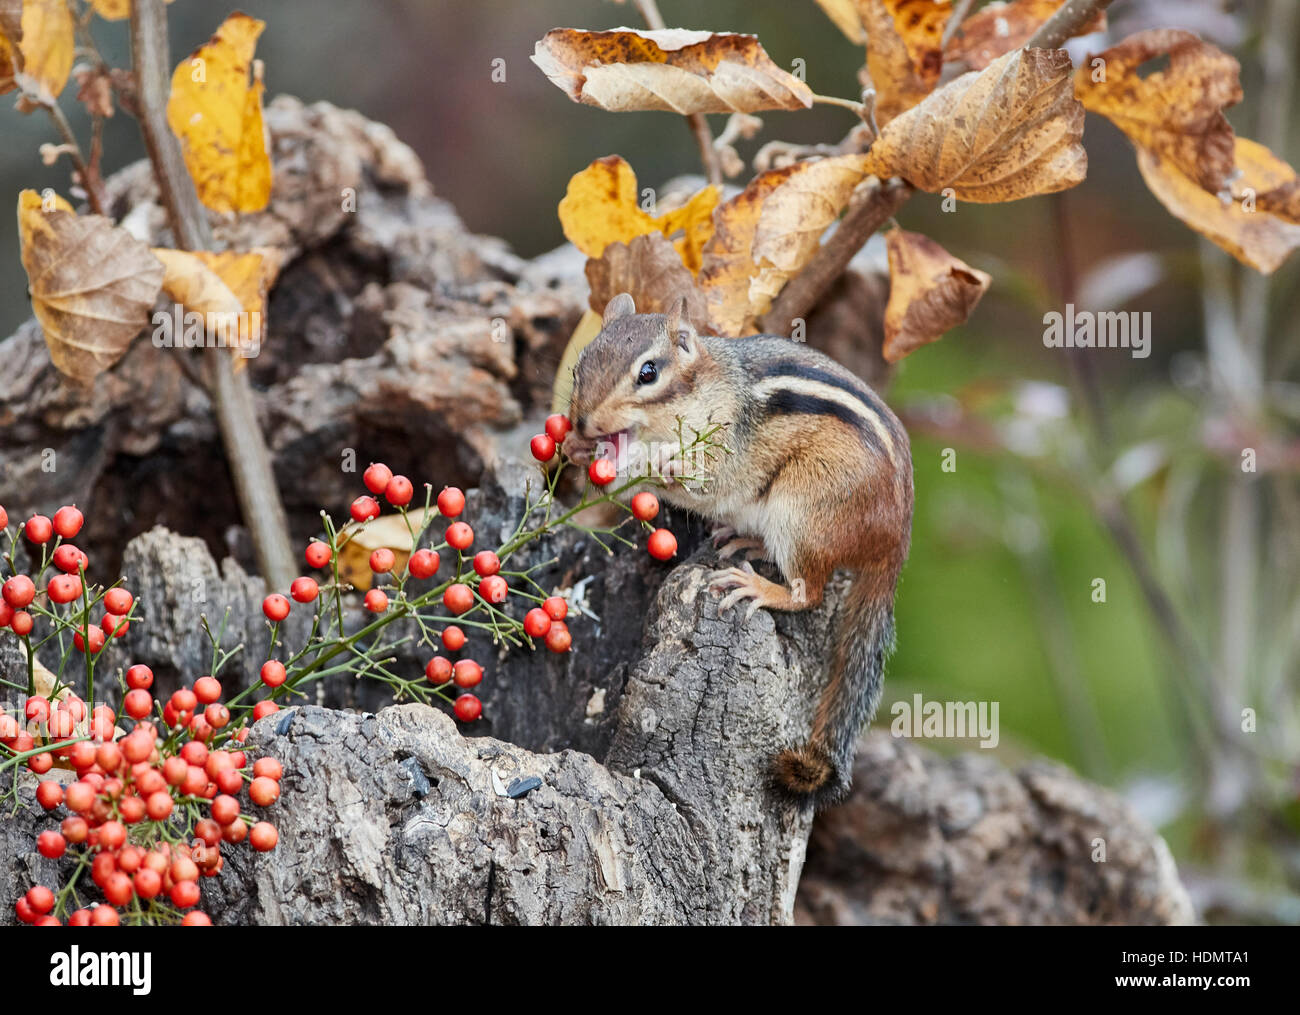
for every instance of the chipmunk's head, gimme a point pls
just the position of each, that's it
(631, 380)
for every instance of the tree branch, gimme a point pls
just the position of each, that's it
(1065, 23)
(232, 397)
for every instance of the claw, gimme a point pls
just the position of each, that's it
(722, 533)
(750, 546)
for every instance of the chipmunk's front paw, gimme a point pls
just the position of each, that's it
(743, 584)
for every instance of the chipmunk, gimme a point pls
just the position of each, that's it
(818, 476)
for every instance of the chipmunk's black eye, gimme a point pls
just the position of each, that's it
(648, 373)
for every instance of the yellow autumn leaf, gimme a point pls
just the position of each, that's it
(113, 10)
(7, 68)
(92, 284)
(215, 109)
(601, 207)
(46, 49)
(1266, 180)
(930, 291)
(1256, 238)
(222, 287)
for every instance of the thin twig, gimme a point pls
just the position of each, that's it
(232, 397)
(94, 187)
(959, 14)
(1065, 23)
(697, 122)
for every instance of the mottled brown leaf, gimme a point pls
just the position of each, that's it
(1009, 131)
(904, 56)
(673, 69)
(1176, 112)
(930, 291)
(650, 269)
(92, 284)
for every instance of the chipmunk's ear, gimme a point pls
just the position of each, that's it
(620, 306)
(680, 329)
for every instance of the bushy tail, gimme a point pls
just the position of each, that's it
(823, 768)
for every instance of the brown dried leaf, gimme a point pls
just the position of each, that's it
(92, 284)
(95, 90)
(1256, 238)
(930, 291)
(673, 69)
(1271, 183)
(649, 268)
(7, 68)
(904, 56)
(767, 233)
(1001, 27)
(1177, 112)
(1009, 131)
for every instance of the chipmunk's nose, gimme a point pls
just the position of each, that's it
(580, 424)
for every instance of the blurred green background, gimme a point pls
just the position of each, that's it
(995, 603)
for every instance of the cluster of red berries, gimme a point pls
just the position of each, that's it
(645, 505)
(130, 793)
(66, 586)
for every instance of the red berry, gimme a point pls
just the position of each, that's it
(439, 670)
(6, 613)
(458, 598)
(80, 797)
(49, 794)
(276, 607)
(207, 690)
(185, 894)
(37, 709)
(556, 608)
(75, 829)
(217, 715)
(106, 916)
(453, 639)
(19, 591)
(423, 564)
(4, 518)
(263, 791)
(108, 757)
(467, 673)
(68, 521)
(139, 675)
(377, 477)
(645, 506)
(263, 836)
(602, 472)
(400, 491)
(39, 529)
(64, 588)
(158, 805)
(184, 700)
(175, 770)
(93, 636)
(468, 708)
(68, 559)
(21, 623)
(460, 535)
(382, 560)
(112, 834)
(41, 763)
(81, 918)
(114, 626)
(304, 590)
(364, 508)
(225, 809)
(558, 638)
(118, 601)
(138, 703)
(558, 427)
(196, 918)
(195, 753)
(494, 589)
(268, 768)
(40, 898)
(451, 502)
(273, 673)
(51, 844)
(486, 563)
(537, 622)
(24, 910)
(136, 746)
(543, 447)
(318, 554)
(148, 883)
(376, 601)
(662, 544)
(264, 708)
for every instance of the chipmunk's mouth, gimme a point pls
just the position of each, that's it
(615, 446)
